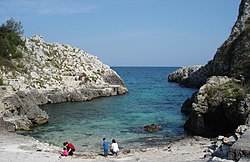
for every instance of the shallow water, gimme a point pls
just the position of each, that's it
(151, 99)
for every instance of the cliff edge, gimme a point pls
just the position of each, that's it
(232, 59)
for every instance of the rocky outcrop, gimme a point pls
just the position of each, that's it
(223, 100)
(181, 75)
(21, 109)
(241, 148)
(222, 103)
(50, 66)
(219, 107)
(243, 16)
(232, 59)
(52, 73)
(191, 76)
(226, 147)
(198, 78)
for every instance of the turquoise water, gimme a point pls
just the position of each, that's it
(151, 99)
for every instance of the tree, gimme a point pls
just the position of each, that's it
(14, 26)
(10, 39)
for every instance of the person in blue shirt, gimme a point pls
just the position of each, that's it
(105, 147)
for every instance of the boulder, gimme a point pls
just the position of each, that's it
(241, 148)
(241, 129)
(219, 107)
(21, 109)
(152, 128)
(7, 126)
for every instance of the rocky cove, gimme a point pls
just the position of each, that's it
(54, 73)
(51, 73)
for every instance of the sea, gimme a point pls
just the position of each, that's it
(151, 99)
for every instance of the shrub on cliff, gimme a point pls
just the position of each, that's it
(1, 82)
(10, 39)
(230, 90)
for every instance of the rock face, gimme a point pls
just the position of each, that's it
(22, 109)
(52, 73)
(186, 107)
(241, 148)
(232, 59)
(222, 102)
(50, 66)
(182, 74)
(219, 107)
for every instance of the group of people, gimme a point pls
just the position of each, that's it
(113, 147)
(69, 148)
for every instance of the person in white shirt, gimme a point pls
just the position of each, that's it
(114, 147)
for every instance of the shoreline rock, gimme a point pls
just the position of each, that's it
(52, 73)
(223, 100)
(241, 147)
(181, 75)
(219, 107)
(152, 128)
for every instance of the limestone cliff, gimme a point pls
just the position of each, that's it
(222, 102)
(51, 73)
(232, 58)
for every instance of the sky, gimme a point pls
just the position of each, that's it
(130, 32)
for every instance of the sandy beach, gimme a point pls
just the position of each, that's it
(16, 148)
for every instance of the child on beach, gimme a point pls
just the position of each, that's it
(114, 147)
(64, 152)
(105, 146)
(70, 148)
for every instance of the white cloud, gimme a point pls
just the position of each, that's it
(46, 7)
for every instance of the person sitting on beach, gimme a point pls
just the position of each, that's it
(64, 152)
(105, 146)
(114, 147)
(70, 147)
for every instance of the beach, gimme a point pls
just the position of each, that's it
(16, 148)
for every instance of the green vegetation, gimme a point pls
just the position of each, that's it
(52, 53)
(230, 90)
(93, 78)
(10, 39)
(55, 64)
(87, 79)
(1, 82)
(8, 64)
(11, 44)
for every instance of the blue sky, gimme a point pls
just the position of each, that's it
(130, 32)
